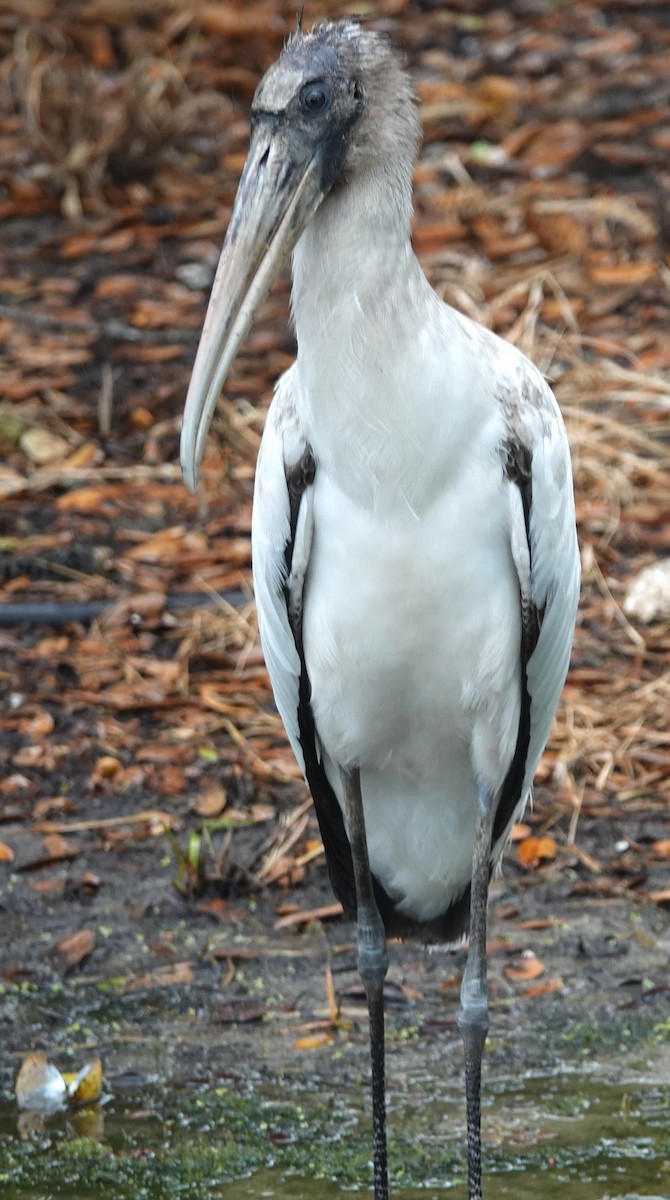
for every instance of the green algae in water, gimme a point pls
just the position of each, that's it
(558, 1136)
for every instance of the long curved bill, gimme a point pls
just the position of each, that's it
(276, 198)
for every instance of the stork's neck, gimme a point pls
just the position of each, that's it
(365, 390)
(353, 263)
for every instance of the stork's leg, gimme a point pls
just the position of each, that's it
(372, 965)
(473, 1016)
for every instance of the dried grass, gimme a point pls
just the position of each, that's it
(88, 128)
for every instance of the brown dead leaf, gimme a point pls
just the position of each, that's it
(541, 923)
(140, 604)
(553, 983)
(428, 238)
(115, 243)
(243, 1012)
(230, 21)
(121, 286)
(661, 896)
(154, 314)
(555, 145)
(500, 94)
(46, 755)
(217, 908)
(662, 848)
(122, 781)
(284, 871)
(6, 853)
(141, 418)
(167, 781)
(47, 887)
(57, 847)
(86, 455)
(497, 945)
(558, 232)
(37, 723)
(52, 806)
(88, 499)
(169, 545)
(152, 354)
(171, 976)
(79, 245)
(212, 801)
(159, 752)
(74, 948)
(52, 647)
(314, 1041)
(525, 968)
(506, 911)
(263, 812)
(623, 274)
(533, 850)
(106, 767)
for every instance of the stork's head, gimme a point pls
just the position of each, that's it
(336, 103)
(339, 95)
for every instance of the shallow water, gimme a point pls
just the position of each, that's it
(545, 1135)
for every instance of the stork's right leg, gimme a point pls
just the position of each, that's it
(372, 965)
(473, 1017)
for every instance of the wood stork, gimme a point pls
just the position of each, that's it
(414, 549)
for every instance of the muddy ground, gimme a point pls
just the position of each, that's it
(250, 991)
(222, 1025)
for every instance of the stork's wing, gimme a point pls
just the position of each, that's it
(554, 578)
(546, 556)
(281, 536)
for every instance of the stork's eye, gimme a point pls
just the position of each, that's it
(315, 98)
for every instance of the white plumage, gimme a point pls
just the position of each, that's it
(414, 550)
(412, 554)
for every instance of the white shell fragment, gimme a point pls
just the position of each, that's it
(40, 1087)
(648, 597)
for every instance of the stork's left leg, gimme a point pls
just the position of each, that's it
(473, 1016)
(372, 966)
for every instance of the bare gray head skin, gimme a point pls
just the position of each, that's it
(344, 94)
(336, 107)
